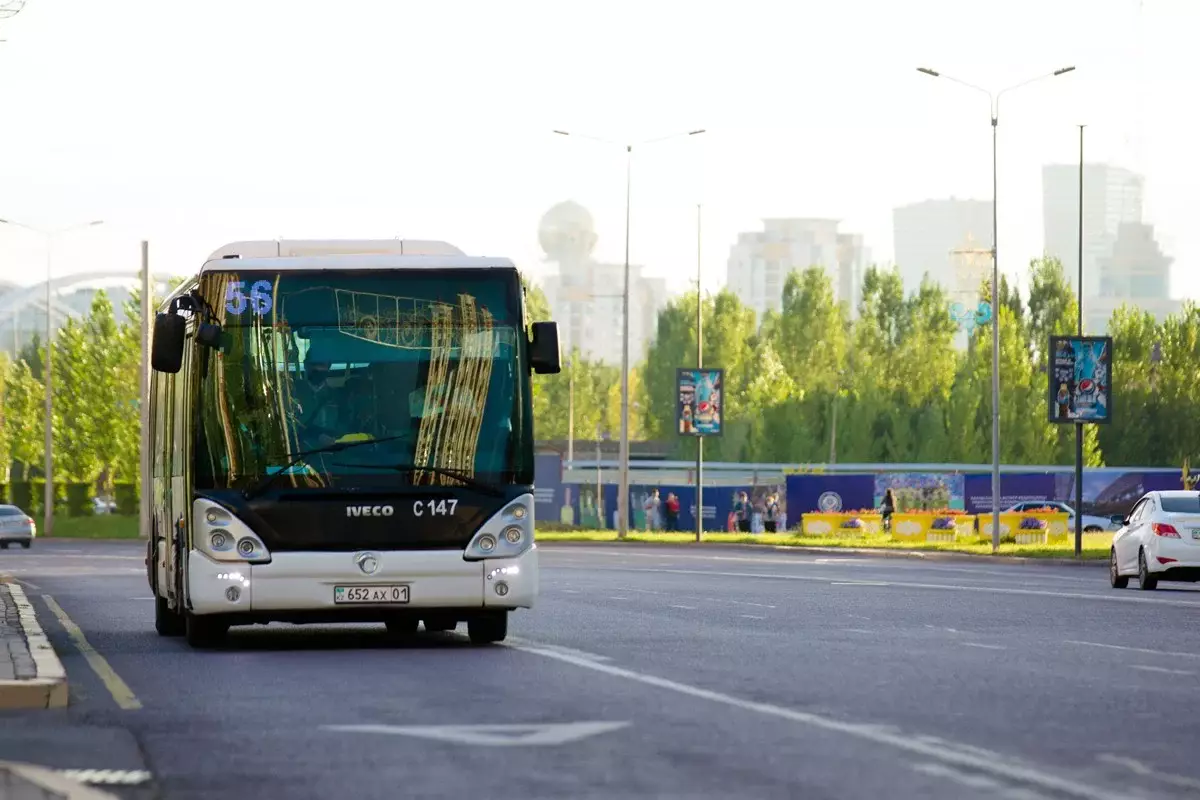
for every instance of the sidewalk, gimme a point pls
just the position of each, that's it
(31, 676)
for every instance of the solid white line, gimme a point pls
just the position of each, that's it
(1163, 670)
(1111, 598)
(871, 733)
(984, 646)
(979, 783)
(1149, 772)
(1135, 649)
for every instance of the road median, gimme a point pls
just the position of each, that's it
(31, 674)
(1094, 552)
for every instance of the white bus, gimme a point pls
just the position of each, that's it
(341, 431)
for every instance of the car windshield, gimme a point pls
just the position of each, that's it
(11, 511)
(427, 363)
(1180, 503)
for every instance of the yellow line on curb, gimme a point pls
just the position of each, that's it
(119, 690)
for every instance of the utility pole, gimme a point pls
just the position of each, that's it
(699, 365)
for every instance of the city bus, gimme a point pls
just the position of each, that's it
(342, 431)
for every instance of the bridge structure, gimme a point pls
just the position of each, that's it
(23, 308)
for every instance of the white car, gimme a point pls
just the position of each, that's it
(16, 527)
(1091, 522)
(1159, 541)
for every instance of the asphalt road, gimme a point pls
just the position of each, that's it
(652, 672)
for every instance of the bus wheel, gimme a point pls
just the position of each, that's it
(402, 627)
(488, 629)
(204, 631)
(166, 621)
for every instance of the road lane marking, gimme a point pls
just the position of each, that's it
(7, 577)
(1149, 772)
(120, 691)
(107, 777)
(1136, 649)
(952, 587)
(984, 646)
(718, 600)
(858, 630)
(616, 597)
(858, 583)
(685, 608)
(1163, 670)
(978, 783)
(571, 651)
(751, 616)
(492, 735)
(997, 765)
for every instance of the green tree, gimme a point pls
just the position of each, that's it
(77, 417)
(5, 434)
(24, 420)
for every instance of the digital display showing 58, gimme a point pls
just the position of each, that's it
(237, 301)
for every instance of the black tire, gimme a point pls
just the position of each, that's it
(1146, 581)
(488, 629)
(166, 621)
(26, 545)
(1115, 578)
(204, 631)
(402, 627)
(3, 545)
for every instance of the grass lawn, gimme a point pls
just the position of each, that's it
(102, 526)
(1095, 546)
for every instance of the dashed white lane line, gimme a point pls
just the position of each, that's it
(1145, 650)
(751, 616)
(858, 630)
(684, 608)
(616, 597)
(983, 646)
(859, 583)
(1162, 670)
(977, 783)
(994, 764)
(718, 600)
(951, 587)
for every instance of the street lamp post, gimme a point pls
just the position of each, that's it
(994, 102)
(47, 375)
(623, 492)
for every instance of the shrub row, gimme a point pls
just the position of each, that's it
(73, 499)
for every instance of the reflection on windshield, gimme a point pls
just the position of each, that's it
(425, 364)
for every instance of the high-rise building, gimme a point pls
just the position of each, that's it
(585, 296)
(1122, 261)
(1111, 196)
(947, 239)
(760, 262)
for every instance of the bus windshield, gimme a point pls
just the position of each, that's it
(423, 367)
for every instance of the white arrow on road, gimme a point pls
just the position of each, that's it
(492, 735)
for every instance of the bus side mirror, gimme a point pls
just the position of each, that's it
(544, 355)
(166, 352)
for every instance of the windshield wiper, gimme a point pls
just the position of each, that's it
(473, 483)
(336, 447)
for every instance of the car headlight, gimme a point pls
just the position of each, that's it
(508, 534)
(223, 537)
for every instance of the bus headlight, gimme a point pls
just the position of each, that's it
(508, 534)
(223, 537)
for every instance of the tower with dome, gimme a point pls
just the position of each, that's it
(585, 293)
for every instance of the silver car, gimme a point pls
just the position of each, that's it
(16, 527)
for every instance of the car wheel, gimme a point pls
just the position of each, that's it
(488, 629)
(1114, 574)
(26, 545)
(3, 545)
(1146, 581)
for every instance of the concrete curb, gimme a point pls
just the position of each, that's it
(52, 785)
(920, 555)
(48, 689)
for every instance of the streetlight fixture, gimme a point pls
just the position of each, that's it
(623, 493)
(48, 511)
(994, 101)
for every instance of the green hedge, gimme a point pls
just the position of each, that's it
(4, 493)
(79, 500)
(128, 500)
(22, 496)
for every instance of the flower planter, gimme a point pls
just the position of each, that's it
(1051, 527)
(931, 526)
(841, 524)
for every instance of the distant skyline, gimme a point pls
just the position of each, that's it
(328, 122)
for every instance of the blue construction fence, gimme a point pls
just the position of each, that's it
(1106, 492)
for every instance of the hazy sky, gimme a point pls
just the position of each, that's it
(194, 124)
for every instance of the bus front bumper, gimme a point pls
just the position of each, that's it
(364, 586)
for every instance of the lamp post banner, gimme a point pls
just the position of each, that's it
(1080, 372)
(699, 409)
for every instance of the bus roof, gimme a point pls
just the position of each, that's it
(284, 248)
(321, 254)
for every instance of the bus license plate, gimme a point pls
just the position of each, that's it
(370, 594)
